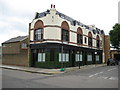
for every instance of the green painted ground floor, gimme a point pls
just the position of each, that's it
(54, 55)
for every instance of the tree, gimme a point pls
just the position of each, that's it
(115, 36)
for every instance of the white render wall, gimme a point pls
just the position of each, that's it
(32, 35)
(73, 37)
(55, 32)
(52, 33)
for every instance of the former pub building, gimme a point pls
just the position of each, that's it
(58, 40)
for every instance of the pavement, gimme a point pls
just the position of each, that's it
(49, 71)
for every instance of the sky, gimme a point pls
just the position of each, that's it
(15, 15)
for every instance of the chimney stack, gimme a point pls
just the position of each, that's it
(52, 6)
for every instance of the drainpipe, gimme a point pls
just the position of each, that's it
(95, 57)
(62, 69)
(62, 57)
(79, 61)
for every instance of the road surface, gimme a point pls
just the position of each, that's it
(99, 77)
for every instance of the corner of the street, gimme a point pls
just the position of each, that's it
(49, 71)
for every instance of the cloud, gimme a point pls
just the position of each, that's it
(12, 22)
(13, 27)
(9, 35)
(15, 15)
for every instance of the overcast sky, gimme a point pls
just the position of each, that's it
(15, 15)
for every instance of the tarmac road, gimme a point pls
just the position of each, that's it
(99, 77)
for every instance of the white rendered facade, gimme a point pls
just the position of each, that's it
(53, 31)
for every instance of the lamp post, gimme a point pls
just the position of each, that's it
(79, 60)
(118, 52)
(62, 69)
(95, 58)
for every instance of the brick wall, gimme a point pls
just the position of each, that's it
(15, 55)
(107, 47)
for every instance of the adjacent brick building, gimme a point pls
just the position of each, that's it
(106, 47)
(115, 54)
(15, 51)
(0, 54)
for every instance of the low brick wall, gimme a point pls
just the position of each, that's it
(15, 59)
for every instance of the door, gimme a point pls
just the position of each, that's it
(73, 58)
(33, 57)
(117, 57)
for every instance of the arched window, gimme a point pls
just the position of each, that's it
(38, 33)
(90, 39)
(64, 31)
(97, 42)
(79, 36)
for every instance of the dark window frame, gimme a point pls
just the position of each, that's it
(79, 39)
(85, 39)
(90, 41)
(98, 43)
(38, 34)
(65, 35)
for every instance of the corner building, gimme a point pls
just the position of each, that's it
(57, 40)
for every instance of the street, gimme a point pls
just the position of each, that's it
(99, 77)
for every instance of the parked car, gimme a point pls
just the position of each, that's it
(111, 62)
(117, 62)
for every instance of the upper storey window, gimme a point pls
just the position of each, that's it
(79, 36)
(97, 42)
(79, 39)
(65, 31)
(89, 39)
(65, 35)
(38, 33)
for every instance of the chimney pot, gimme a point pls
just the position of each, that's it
(51, 5)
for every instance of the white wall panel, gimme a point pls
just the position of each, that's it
(73, 37)
(52, 33)
(32, 35)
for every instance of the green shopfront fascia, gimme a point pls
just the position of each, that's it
(52, 55)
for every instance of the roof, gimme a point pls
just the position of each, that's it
(71, 20)
(16, 39)
(40, 15)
